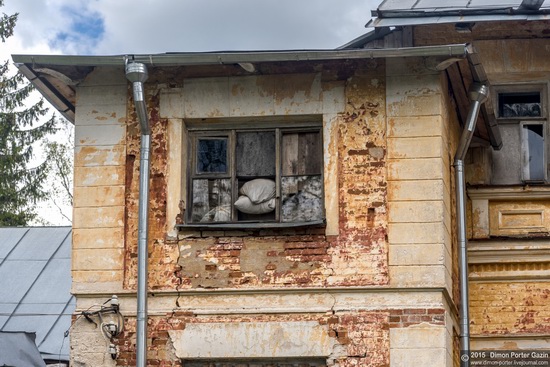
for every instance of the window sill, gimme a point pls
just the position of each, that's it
(240, 226)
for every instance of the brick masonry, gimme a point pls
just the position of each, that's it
(363, 338)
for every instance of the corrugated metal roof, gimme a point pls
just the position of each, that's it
(452, 5)
(35, 283)
(393, 13)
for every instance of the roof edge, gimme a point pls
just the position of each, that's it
(27, 64)
(220, 58)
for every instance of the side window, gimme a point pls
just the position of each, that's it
(533, 152)
(255, 176)
(521, 113)
(519, 105)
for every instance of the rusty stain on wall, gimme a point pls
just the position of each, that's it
(291, 258)
(219, 261)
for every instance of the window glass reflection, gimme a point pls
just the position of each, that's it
(212, 156)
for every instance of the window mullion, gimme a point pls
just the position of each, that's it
(233, 172)
(190, 175)
(277, 174)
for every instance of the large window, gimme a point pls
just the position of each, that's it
(250, 175)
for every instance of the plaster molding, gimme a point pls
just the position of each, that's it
(506, 251)
(281, 301)
(509, 193)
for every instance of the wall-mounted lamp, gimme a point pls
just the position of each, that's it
(113, 351)
(109, 320)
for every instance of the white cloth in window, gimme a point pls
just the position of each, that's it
(257, 197)
(259, 190)
(244, 205)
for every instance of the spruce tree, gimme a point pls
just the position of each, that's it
(21, 185)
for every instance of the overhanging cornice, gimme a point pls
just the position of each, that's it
(55, 76)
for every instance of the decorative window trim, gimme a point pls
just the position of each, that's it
(499, 90)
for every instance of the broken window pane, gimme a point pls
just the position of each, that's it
(256, 154)
(211, 200)
(212, 155)
(533, 150)
(519, 105)
(226, 162)
(302, 198)
(302, 153)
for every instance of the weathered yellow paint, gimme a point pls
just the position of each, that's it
(91, 259)
(98, 238)
(99, 176)
(90, 156)
(99, 217)
(98, 196)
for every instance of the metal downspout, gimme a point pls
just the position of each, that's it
(478, 94)
(137, 74)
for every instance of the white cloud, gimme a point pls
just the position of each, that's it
(158, 26)
(214, 25)
(147, 26)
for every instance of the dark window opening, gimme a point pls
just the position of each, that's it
(211, 155)
(517, 105)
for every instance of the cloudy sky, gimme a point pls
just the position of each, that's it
(156, 26)
(112, 27)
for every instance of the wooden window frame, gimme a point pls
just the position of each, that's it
(197, 131)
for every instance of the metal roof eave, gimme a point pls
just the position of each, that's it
(221, 58)
(50, 93)
(442, 19)
(27, 64)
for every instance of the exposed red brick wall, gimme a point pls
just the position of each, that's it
(364, 334)
(290, 257)
(163, 254)
(413, 316)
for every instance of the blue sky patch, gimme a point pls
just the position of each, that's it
(84, 30)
